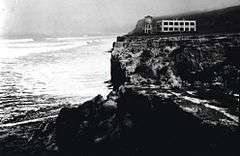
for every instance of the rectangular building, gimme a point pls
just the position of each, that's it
(178, 25)
(152, 26)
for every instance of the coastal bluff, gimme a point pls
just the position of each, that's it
(171, 95)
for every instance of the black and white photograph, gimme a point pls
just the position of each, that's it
(119, 78)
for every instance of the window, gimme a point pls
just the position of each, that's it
(159, 22)
(186, 29)
(170, 29)
(170, 23)
(176, 23)
(186, 23)
(176, 29)
(192, 23)
(148, 26)
(192, 29)
(165, 29)
(181, 29)
(181, 23)
(165, 23)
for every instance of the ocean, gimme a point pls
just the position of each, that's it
(39, 77)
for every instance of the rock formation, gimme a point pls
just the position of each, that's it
(173, 95)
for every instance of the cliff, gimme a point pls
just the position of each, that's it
(200, 69)
(215, 21)
(172, 95)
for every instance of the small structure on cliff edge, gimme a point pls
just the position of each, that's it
(152, 26)
(120, 43)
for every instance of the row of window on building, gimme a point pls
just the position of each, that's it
(179, 23)
(177, 29)
(171, 25)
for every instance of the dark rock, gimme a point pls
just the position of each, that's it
(159, 116)
(157, 126)
(79, 129)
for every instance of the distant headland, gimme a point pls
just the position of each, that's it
(216, 21)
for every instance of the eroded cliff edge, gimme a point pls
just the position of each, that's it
(171, 95)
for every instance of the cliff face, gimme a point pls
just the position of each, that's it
(173, 95)
(202, 67)
(168, 61)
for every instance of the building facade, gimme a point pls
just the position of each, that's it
(178, 25)
(148, 25)
(152, 26)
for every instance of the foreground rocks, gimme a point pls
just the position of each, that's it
(140, 125)
(171, 96)
(31, 139)
(80, 129)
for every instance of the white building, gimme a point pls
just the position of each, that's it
(178, 25)
(152, 25)
(148, 25)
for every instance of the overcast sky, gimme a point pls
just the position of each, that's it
(77, 17)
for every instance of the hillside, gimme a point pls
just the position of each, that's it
(222, 20)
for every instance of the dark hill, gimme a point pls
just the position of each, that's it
(222, 20)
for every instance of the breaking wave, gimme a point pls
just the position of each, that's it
(11, 48)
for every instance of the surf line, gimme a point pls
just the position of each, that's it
(26, 122)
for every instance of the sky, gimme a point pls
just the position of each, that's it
(79, 17)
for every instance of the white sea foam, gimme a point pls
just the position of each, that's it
(21, 47)
(68, 38)
(16, 40)
(26, 122)
(41, 76)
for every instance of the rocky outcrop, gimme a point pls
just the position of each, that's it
(140, 125)
(118, 73)
(29, 139)
(173, 95)
(171, 60)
